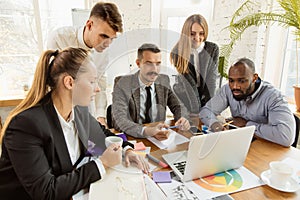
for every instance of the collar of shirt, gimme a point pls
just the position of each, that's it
(80, 39)
(199, 49)
(143, 86)
(257, 90)
(63, 122)
(71, 136)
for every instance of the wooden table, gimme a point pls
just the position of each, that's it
(10, 101)
(260, 154)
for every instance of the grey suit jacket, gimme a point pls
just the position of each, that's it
(126, 103)
(192, 96)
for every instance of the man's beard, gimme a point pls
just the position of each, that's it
(243, 95)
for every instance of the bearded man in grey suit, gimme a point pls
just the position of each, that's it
(129, 108)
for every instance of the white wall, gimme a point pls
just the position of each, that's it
(141, 25)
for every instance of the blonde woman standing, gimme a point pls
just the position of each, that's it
(196, 61)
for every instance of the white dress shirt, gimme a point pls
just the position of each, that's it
(73, 37)
(195, 53)
(143, 98)
(72, 141)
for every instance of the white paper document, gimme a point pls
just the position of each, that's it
(224, 183)
(173, 140)
(212, 186)
(119, 183)
(152, 189)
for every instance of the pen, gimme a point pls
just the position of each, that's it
(177, 126)
(228, 123)
(233, 126)
(160, 163)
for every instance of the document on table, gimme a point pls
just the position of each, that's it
(212, 186)
(230, 181)
(126, 183)
(152, 189)
(120, 182)
(173, 140)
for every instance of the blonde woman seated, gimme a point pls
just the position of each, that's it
(46, 138)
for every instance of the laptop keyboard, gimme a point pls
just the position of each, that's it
(180, 166)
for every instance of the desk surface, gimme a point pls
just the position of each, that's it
(10, 101)
(260, 154)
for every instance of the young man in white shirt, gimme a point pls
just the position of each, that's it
(101, 28)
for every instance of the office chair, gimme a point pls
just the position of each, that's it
(109, 116)
(297, 130)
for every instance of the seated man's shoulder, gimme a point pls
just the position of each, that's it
(268, 88)
(123, 78)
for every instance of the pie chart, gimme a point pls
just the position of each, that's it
(227, 181)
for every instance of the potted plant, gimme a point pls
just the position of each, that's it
(244, 17)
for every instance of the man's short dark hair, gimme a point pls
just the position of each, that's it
(246, 62)
(109, 13)
(147, 47)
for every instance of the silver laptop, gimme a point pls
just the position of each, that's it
(211, 153)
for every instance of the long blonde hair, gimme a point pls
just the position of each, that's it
(50, 66)
(180, 53)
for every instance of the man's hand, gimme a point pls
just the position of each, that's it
(102, 121)
(139, 161)
(183, 124)
(239, 121)
(159, 131)
(216, 127)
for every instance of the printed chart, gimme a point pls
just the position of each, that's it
(227, 181)
(223, 183)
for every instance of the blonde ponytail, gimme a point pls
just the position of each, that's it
(37, 91)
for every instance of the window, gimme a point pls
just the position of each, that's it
(289, 72)
(25, 25)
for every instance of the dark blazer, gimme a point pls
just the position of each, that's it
(126, 103)
(185, 87)
(35, 163)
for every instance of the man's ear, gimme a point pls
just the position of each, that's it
(88, 24)
(138, 62)
(68, 82)
(255, 77)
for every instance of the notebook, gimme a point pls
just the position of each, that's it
(211, 153)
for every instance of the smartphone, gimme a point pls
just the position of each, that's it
(195, 131)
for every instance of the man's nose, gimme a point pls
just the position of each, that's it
(236, 85)
(107, 42)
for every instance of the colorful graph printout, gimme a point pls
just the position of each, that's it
(227, 181)
(223, 183)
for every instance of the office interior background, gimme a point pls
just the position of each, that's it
(26, 24)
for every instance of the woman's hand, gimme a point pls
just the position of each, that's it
(111, 156)
(139, 161)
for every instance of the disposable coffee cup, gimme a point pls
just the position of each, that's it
(113, 140)
(280, 173)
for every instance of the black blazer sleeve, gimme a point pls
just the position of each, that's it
(43, 168)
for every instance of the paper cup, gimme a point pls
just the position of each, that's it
(113, 139)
